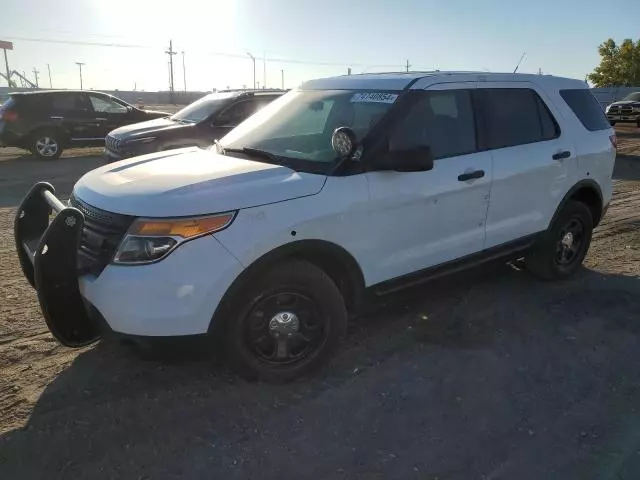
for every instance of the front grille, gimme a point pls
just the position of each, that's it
(101, 235)
(112, 143)
(621, 110)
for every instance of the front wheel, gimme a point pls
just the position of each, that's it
(563, 247)
(46, 145)
(287, 322)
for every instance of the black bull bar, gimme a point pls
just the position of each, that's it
(47, 249)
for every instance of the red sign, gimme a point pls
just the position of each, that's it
(6, 45)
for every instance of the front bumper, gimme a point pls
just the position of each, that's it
(624, 118)
(176, 296)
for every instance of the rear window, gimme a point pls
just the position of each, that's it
(586, 108)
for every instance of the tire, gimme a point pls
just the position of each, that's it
(557, 255)
(287, 322)
(46, 144)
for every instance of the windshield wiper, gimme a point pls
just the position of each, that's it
(255, 152)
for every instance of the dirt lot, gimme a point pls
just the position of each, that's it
(486, 375)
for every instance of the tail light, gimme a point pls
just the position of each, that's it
(9, 115)
(614, 141)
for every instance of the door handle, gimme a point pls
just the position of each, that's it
(470, 175)
(561, 155)
(101, 119)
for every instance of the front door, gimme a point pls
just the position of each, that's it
(108, 115)
(423, 219)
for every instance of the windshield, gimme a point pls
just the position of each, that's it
(635, 97)
(202, 109)
(299, 125)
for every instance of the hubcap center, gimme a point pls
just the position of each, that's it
(284, 324)
(567, 240)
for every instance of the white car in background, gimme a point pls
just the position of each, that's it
(343, 187)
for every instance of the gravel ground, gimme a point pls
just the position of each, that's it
(485, 375)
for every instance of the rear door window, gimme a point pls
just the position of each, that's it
(586, 108)
(66, 102)
(516, 116)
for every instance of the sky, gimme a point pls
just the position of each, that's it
(122, 42)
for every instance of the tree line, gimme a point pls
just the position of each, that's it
(619, 64)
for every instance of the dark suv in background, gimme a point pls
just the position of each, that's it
(197, 125)
(48, 122)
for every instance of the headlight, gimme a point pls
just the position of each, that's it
(151, 239)
(606, 110)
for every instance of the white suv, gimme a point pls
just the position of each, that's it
(344, 186)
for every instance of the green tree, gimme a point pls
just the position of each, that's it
(619, 65)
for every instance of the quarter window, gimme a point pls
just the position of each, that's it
(587, 109)
(442, 120)
(516, 116)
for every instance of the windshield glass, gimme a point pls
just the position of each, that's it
(635, 97)
(299, 125)
(201, 109)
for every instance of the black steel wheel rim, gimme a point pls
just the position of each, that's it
(272, 341)
(570, 242)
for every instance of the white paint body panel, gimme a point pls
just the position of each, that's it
(176, 296)
(190, 181)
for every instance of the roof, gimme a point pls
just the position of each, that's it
(401, 80)
(45, 92)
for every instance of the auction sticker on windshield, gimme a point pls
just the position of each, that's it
(374, 97)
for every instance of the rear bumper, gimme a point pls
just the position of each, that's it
(176, 296)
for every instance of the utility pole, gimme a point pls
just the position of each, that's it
(349, 71)
(184, 73)
(171, 53)
(408, 65)
(49, 70)
(282, 77)
(35, 73)
(80, 64)
(253, 59)
(264, 71)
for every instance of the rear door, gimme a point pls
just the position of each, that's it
(532, 160)
(72, 112)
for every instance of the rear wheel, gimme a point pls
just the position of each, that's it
(562, 249)
(288, 322)
(46, 145)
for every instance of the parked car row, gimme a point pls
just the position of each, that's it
(341, 190)
(48, 122)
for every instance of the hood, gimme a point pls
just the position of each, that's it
(626, 102)
(157, 125)
(191, 181)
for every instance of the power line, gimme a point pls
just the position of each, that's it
(209, 52)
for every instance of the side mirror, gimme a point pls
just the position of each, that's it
(419, 159)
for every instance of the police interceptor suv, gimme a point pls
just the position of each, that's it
(343, 187)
